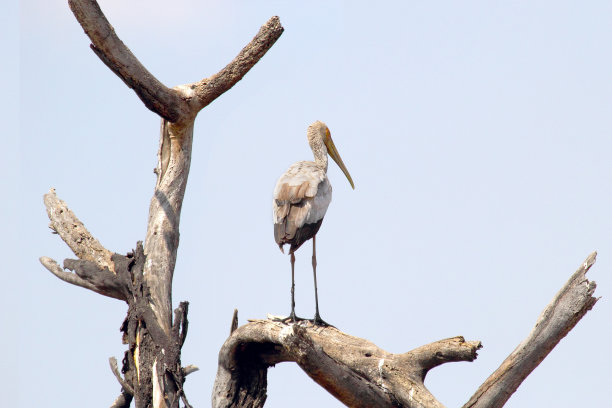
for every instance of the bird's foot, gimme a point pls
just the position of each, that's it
(292, 318)
(317, 321)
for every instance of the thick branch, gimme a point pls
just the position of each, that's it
(69, 277)
(208, 89)
(72, 231)
(116, 55)
(354, 370)
(558, 318)
(88, 276)
(444, 351)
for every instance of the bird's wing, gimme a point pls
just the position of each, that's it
(300, 181)
(301, 196)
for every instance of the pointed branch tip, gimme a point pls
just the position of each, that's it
(113, 365)
(234, 324)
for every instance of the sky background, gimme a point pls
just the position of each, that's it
(478, 135)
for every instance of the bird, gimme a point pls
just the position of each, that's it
(301, 197)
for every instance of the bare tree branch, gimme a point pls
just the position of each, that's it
(188, 369)
(126, 387)
(72, 231)
(234, 325)
(208, 89)
(444, 351)
(558, 318)
(354, 370)
(173, 104)
(116, 55)
(69, 277)
(88, 276)
(123, 400)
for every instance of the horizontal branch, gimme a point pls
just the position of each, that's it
(354, 370)
(72, 231)
(53, 267)
(443, 351)
(572, 302)
(116, 55)
(189, 369)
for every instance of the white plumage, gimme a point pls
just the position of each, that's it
(301, 197)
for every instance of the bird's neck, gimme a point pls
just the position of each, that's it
(320, 155)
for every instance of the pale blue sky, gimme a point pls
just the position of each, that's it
(478, 135)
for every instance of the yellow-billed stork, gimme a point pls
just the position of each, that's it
(301, 197)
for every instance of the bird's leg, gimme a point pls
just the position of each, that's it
(317, 318)
(292, 315)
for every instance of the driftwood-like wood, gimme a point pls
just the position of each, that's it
(153, 375)
(360, 374)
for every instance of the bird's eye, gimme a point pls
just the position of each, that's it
(327, 133)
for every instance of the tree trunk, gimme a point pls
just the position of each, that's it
(153, 375)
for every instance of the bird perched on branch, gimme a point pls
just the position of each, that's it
(301, 197)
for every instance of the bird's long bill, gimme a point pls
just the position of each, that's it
(333, 153)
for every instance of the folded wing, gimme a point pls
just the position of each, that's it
(301, 198)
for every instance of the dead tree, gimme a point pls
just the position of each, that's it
(153, 375)
(354, 370)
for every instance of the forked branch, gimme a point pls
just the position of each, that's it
(173, 104)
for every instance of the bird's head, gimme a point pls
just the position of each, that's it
(319, 130)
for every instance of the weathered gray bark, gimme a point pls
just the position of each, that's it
(360, 374)
(151, 366)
